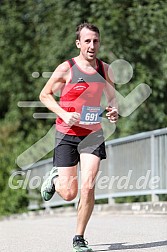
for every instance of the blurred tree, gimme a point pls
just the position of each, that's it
(136, 31)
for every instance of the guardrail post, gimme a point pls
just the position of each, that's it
(154, 197)
(111, 200)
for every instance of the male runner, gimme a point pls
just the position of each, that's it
(79, 137)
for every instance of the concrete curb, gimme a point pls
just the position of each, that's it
(158, 208)
(134, 208)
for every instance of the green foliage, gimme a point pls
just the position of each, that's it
(38, 35)
(136, 31)
(131, 199)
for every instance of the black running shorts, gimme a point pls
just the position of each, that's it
(68, 148)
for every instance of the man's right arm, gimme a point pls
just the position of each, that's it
(56, 82)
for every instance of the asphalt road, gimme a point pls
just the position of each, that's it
(105, 232)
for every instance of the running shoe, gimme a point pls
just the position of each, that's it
(80, 245)
(48, 187)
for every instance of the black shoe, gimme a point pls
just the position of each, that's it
(80, 245)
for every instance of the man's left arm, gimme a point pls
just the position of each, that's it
(109, 92)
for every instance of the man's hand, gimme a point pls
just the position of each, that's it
(70, 118)
(112, 114)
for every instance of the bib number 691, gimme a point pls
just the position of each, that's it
(91, 117)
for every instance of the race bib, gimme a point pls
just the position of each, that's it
(90, 115)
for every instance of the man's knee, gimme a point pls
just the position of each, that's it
(87, 192)
(69, 195)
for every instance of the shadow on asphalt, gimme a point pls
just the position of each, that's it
(123, 246)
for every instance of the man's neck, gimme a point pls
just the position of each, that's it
(86, 63)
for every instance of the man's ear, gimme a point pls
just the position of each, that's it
(78, 43)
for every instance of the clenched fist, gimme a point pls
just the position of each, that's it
(70, 118)
(112, 114)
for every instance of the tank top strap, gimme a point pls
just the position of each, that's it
(71, 62)
(101, 68)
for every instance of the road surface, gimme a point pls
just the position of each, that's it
(105, 232)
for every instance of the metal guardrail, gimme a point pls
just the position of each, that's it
(135, 165)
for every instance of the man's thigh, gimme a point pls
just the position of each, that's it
(68, 177)
(89, 164)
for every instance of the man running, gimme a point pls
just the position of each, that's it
(81, 82)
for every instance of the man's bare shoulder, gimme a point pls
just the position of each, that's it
(105, 65)
(63, 67)
(61, 72)
(108, 72)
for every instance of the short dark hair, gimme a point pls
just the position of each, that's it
(88, 26)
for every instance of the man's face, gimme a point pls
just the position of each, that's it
(88, 44)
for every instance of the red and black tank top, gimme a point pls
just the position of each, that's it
(84, 89)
